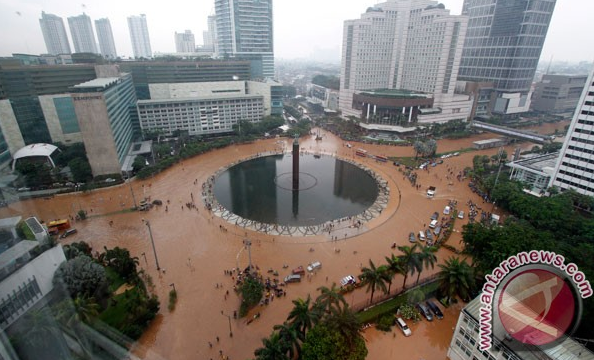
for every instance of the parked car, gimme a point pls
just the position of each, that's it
(424, 310)
(293, 278)
(437, 230)
(435, 216)
(429, 235)
(433, 224)
(460, 214)
(446, 210)
(411, 237)
(348, 280)
(434, 309)
(299, 270)
(314, 266)
(422, 236)
(402, 325)
(68, 232)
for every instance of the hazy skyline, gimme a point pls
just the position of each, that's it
(299, 28)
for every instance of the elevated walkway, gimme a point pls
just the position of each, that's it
(519, 134)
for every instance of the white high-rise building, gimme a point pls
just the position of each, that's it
(83, 36)
(209, 36)
(105, 37)
(412, 45)
(244, 30)
(54, 34)
(141, 43)
(575, 167)
(185, 42)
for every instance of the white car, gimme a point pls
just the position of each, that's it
(402, 325)
(460, 214)
(348, 280)
(314, 266)
(446, 210)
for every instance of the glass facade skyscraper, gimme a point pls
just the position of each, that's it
(503, 44)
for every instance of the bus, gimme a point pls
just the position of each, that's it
(54, 227)
(361, 152)
(381, 158)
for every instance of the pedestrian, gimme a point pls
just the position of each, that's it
(210, 344)
(217, 339)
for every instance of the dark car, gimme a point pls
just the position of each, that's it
(435, 216)
(437, 230)
(434, 309)
(67, 233)
(429, 235)
(411, 237)
(424, 310)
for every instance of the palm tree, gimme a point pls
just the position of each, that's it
(456, 277)
(427, 258)
(345, 322)
(409, 261)
(291, 337)
(394, 268)
(330, 298)
(302, 317)
(374, 278)
(274, 348)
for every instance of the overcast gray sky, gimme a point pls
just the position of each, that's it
(302, 28)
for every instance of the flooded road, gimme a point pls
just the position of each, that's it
(194, 250)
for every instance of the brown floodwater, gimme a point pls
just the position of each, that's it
(194, 252)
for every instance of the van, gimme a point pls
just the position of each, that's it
(402, 325)
(314, 266)
(68, 233)
(422, 235)
(433, 224)
(293, 278)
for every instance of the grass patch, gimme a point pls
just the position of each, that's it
(114, 280)
(392, 305)
(116, 313)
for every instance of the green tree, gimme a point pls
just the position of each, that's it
(274, 348)
(330, 298)
(81, 276)
(139, 163)
(394, 267)
(374, 278)
(409, 260)
(324, 342)
(427, 258)
(251, 291)
(80, 169)
(303, 316)
(291, 337)
(120, 260)
(455, 278)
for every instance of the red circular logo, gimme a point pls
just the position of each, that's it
(536, 307)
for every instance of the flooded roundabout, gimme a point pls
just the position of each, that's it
(257, 194)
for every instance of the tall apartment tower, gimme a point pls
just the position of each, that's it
(503, 45)
(185, 42)
(54, 34)
(412, 45)
(244, 30)
(575, 168)
(209, 36)
(105, 37)
(141, 43)
(82, 34)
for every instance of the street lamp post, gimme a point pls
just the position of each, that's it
(228, 318)
(144, 255)
(173, 286)
(248, 243)
(148, 225)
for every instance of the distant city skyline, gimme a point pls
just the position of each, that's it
(311, 29)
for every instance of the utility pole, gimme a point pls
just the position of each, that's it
(248, 243)
(148, 225)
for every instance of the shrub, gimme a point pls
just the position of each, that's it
(385, 322)
(172, 300)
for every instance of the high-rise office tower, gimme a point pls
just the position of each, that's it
(403, 45)
(82, 34)
(105, 37)
(209, 36)
(575, 168)
(503, 45)
(185, 42)
(244, 30)
(141, 43)
(54, 34)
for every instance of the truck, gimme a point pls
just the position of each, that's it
(431, 192)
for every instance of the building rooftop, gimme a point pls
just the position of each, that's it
(537, 163)
(10, 222)
(567, 349)
(99, 83)
(200, 98)
(396, 93)
(35, 150)
(16, 252)
(34, 225)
